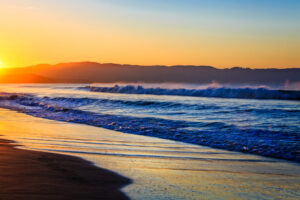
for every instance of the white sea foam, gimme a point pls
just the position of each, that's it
(211, 90)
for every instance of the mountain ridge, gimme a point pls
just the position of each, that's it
(89, 72)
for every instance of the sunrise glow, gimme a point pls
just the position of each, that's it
(256, 33)
(1, 64)
(149, 99)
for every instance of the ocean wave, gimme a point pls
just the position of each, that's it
(71, 102)
(279, 144)
(222, 92)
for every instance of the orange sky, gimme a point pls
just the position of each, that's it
(34, 32)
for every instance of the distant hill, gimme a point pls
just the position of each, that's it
(24, 78)
(90, 72)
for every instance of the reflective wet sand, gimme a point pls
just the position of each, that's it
(160, 169)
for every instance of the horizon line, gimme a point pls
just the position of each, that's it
(154, 65)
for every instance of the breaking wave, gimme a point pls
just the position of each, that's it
(221, 92)
(280, 140)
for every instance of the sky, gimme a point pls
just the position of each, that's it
(247, 33)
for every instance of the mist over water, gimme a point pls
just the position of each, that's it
(214, 84)
(202, 90)
(236, 120)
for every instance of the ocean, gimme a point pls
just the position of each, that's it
(257, 120)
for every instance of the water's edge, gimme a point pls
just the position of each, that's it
(219, 140)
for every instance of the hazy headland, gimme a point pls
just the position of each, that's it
(90, 72)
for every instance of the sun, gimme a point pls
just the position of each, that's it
(1, 64)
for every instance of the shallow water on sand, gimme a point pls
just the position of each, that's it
(262, 127)
(160, 169)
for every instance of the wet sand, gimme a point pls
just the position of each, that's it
(160, 169)
(33, 175)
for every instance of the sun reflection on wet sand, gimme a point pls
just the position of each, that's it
(160, 169)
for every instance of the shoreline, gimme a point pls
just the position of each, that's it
(30, 175)
(253, 140)
(159, 169)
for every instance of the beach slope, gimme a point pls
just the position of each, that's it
(34, 175)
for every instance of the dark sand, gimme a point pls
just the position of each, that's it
(33, 175)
